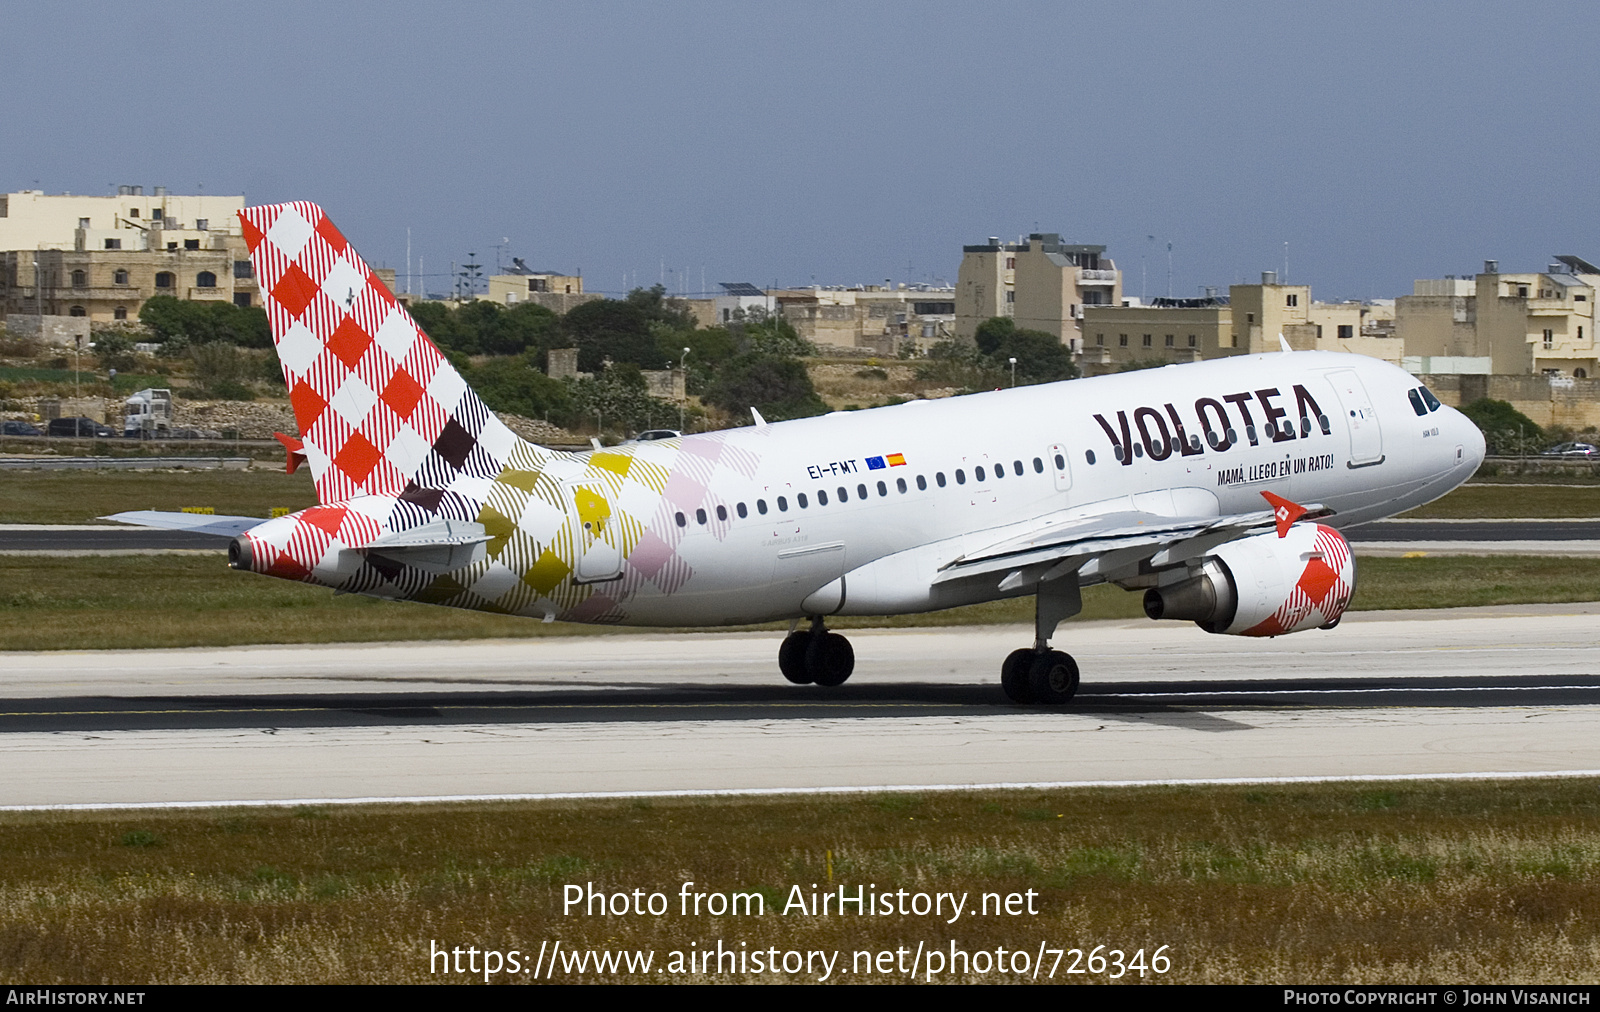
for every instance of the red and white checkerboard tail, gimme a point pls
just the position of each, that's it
(380, 410)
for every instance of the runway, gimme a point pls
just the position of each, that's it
(1462, 691)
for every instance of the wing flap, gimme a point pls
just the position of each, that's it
(1169, 539)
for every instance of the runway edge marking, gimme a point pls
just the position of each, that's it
(777, 791)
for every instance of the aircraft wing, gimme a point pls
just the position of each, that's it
(1113, 540)
(198, 523)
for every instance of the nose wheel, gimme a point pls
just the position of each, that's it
(816, 656)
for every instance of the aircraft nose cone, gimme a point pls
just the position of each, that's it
(1470, 438)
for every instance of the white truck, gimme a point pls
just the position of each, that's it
(147, 413)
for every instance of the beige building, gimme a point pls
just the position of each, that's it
(1504, 324)
(100, 258)
(554, 291)
(33, 219)
(1042, 283)
(1171, 330)
(878, 318)
(110, 286)
(1248, 321)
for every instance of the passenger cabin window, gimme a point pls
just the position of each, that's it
(682, 520)
(783, 504)
(761, 506)
(961, 476)
(800, 498)
(722, 513)
(978, 472)
(700, 516)
(939, 478)
(1089, 456)
(1038, 466)
(742, 511)
(822, 498)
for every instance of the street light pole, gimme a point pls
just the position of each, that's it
(1013, 372)
(683, 401)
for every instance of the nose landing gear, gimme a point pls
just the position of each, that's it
(816, 656)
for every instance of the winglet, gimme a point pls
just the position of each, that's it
(295, 451)
(761, 423)
(1283, 343)
(1284, 512)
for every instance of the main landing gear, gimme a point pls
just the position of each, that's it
(1038, 674)
(816, 656)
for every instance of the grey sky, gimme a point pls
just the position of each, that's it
(843, 143)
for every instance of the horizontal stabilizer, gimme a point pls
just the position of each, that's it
(198, 523)
(441, 547)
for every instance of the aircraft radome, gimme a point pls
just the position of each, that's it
(1180, 482)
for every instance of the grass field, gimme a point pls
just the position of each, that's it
(1446, 881)
(77, 497)
(107, 602)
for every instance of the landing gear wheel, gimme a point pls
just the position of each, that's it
(1053, 677)
(1014, 676)
(792, 658)
(829, 659)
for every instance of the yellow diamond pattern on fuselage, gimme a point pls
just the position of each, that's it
(593, 509)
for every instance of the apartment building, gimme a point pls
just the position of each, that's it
(1040, 282)
(1504, 323)
(881, 319)
(1247, 321)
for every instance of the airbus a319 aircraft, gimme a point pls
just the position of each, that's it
(1217, 489)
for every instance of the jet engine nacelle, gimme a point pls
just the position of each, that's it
(1264, 585)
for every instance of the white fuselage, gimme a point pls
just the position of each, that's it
(810, 507)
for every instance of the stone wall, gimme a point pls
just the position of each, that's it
(1571, 403)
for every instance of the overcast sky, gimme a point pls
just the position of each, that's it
(843, 143)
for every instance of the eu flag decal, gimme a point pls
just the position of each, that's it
(875, 464)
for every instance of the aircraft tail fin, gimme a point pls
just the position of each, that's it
(380, 410)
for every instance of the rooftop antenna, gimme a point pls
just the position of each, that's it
(1169, 269)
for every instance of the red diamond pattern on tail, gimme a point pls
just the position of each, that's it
(308, 405)
(295, 290)
(372, 395)
(349, 342)
(331, 235)
(252, 235)
(357, 458)
(402, 394)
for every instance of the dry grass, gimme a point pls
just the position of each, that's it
(78, 497)
(1464, 882)
(1508, 500)
(111, 602)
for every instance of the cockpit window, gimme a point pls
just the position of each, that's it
(1433, 402)
(1416, 402)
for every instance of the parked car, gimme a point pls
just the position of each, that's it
(77, 427)
(1572, 450)
(18, 429)
(650, 435)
